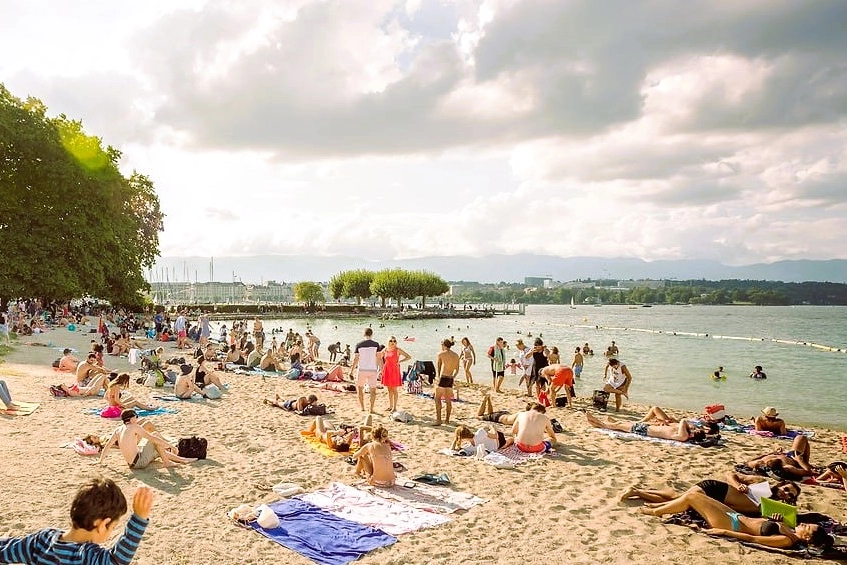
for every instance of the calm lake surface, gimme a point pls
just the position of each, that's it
(669, 367)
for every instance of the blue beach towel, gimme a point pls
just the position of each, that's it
(321, 536)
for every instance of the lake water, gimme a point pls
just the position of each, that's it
(805, 383)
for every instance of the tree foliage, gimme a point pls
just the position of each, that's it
(70, 223)
(308, 292)
(351, 284)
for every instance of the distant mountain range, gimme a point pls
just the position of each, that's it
(492, 268)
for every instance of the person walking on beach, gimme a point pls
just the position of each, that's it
(446, 369)
(258, 332)
(366, 365)
(205, 329)
(525, 359)
(617, 380)
(468, 359)
(497, 355)
(180, 327)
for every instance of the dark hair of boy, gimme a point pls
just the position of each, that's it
(97, 499)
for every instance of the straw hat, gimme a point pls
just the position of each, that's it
(770, 412)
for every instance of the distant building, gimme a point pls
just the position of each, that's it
(537, 282)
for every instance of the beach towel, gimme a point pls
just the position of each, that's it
(441, 500)
(629, 435)
(321, 536)
(365, 508)
(141, 413)
(175, 398)
(24, 408)
(505, 458)
(692, 519)
(751, 429)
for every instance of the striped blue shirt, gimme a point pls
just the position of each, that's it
(45, 548)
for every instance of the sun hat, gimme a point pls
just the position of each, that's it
(770, 412)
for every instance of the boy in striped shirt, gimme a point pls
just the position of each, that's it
(95, 511)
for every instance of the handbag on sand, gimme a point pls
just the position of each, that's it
(600, 399)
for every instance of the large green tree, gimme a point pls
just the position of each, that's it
(351, 284)
(70, 223)
(309, 292)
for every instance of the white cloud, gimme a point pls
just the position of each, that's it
(401, 129)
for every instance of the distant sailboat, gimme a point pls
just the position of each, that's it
(572, 305)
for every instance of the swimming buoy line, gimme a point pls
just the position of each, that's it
(822, 347)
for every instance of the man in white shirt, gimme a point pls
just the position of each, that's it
(366, 365)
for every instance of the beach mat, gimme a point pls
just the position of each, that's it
(430, 498)
(141, 413)
(24, 408)
(630, 436)
(365, 508)
(321, 536)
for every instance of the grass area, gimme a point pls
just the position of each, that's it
(5, 349)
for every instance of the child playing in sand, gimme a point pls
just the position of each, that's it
(95, 510)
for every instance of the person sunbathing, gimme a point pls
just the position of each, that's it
(206, 375)
(185, 386)
(835, 474)
(114, 386)
(487, 413)
(488, 437)
(90, 378)
(734, 492)
(374, 461)
(68, 362)
(337, 439)
(726, 522)
(293, 405)
(793, 464)
(683, 431)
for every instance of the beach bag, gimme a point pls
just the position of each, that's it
(56, 362)
(193, 447)
(600, 399)
(401, 416)
(414, 385)
(715, 412)
(150, 380)
(212, 391)
(561, 401)
(314, 410)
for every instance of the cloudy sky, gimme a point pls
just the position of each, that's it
(393, 130)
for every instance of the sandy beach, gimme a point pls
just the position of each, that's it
(553, 510)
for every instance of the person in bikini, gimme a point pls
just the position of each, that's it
(374, 461)
(487, 413)
(129, 434)
(339, 439)
(726, 522)
(793, 464)
(683, 431)
(114, 386)
(533, 431)
(446, 367)
(734, 492)
(90, 378)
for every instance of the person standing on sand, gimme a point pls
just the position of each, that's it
(446, 369)
(392, 357)
(617, 380)
(181, 329)
(205, 329)
(498, 364)
(365, 366)
(258, 332)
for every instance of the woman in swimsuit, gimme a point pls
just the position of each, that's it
(487, 413)
(373, 460)
(113, 396)
(468, 359)
(733, 493)
(724, 521)
(336, 439)
(488, 437)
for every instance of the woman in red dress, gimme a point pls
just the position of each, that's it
(392, 356)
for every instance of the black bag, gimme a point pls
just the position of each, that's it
(193, 447)
(314, 410)
(600, 399)
(561, 401)
(56, 362)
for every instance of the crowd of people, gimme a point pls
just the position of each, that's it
(725, 505)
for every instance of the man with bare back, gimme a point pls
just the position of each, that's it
(446, 369)
(127, 437)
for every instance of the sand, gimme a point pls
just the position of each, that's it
(556, 510)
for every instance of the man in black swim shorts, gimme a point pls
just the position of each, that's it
(446, 367)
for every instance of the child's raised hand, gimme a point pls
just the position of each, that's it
(142, 502)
